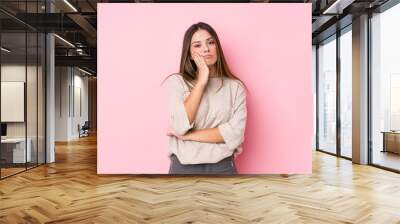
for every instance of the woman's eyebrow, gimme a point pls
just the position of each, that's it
(200, 41)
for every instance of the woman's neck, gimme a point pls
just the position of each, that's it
(213, 71)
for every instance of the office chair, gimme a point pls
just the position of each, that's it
(84, 130)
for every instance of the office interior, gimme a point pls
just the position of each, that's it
(49, 91)
(356, 62)
(48, 82)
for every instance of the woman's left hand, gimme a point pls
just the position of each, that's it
(170, 132)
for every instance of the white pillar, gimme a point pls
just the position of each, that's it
(360, 90)
(50, 93)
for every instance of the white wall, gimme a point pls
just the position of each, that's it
(79, 117)
(62, 81)
(71, 93)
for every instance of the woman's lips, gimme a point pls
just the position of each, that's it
(208, 56)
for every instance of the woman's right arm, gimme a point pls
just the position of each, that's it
(182, 112)
(192, 102)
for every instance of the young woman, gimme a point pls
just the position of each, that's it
(207, 108)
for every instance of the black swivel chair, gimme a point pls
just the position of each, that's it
(84, 130)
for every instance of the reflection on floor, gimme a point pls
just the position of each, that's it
(12, 169)
(386, 159)
(9, 171)
(347, 152)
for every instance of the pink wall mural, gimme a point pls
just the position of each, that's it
(268, 46)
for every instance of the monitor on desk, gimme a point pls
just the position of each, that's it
(3, 130)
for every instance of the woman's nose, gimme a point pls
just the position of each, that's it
(206, 49)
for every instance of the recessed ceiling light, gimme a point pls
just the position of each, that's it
(5, 49)
(70, 5)
(337, 7)
(64, 40)
(84, 71)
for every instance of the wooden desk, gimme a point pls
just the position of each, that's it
(391, 141)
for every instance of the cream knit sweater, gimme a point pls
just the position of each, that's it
(224, 109)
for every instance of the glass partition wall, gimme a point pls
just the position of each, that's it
(327, 95)
(346, 74)
(334, 85)
(22, 88)
(385, 89)
(334, 93)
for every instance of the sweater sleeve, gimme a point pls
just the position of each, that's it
(233, 130)
(178, 118)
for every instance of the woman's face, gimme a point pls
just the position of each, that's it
(205, 45)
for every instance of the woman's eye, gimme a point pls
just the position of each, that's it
(211, 42)
(196, 45)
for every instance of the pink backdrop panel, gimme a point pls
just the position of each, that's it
(267, 45)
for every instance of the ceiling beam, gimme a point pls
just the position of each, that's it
(86, 26)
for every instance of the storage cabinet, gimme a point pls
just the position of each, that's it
(391, 142)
